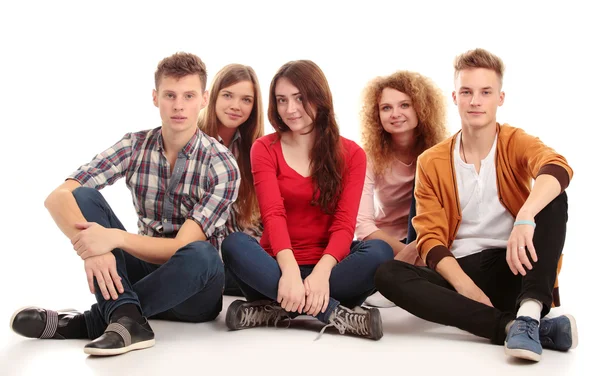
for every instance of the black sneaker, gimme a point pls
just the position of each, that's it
(121, 336)
(243, 315)
(363, 322)
(34, 322)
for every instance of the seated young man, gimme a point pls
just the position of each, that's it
(493, 243)
(183, 183)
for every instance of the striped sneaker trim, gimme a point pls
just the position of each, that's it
(120, 330)
(51, 324)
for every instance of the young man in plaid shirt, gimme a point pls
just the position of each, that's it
(183, 184)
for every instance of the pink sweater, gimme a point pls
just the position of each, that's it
(385, 201)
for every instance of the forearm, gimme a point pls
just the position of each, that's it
(397, 245)
(325, 264)
(287, 262)
(149, 249)
(545, 189)
(449, 268)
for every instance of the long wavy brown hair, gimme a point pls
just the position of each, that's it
(246, 206)
(429, 105)
(326, 157)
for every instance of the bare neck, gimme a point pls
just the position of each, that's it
(226, 135)
(174, 142)
(478, 142)
(403, 144)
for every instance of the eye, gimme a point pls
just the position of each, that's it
(281, 100)
(486, 92)
(465, 92)
(227, 95)
(299, 98)
(248, 100)
(189, 96)
(386, 108)
(170, 95)
(405, 105)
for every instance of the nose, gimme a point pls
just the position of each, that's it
(235, 105)
(292, 106)
(475, 99)
(178, 104)
(396, 112)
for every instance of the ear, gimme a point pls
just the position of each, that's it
(204, 98)
(501, 98)
(454, 97)
(155, 97)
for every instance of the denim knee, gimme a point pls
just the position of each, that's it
(231, 244)
(198, 259)
(86, 193)
(378, 250)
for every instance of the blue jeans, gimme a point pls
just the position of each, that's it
(351, 281)
(188, 287)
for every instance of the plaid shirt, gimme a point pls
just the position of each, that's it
(202, 186)
(232, 223)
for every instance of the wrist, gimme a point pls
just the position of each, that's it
(525, 214)
(120, 238)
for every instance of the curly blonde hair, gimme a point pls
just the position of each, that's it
(429, 105)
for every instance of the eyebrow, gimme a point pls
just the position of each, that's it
(483, 88)
(401, 102)
(245, 95)
(283, 96)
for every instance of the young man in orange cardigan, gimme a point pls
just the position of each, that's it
(492, 242)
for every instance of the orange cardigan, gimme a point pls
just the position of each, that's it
(519, 159)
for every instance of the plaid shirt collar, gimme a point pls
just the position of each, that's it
(188, 149)
(237, 136)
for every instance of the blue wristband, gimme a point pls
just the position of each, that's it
(531, 223)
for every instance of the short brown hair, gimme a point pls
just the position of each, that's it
(479, 58)
(180, 65)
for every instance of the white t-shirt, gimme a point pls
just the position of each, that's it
(485, 221)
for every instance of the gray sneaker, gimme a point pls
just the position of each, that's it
(363, 322)
(242, 314)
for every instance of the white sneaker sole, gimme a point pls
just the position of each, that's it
(119, 351)
(522, 354)
(574, 335)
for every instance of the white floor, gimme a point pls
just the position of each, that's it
(409, 345)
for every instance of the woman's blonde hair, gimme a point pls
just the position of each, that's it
(428, 102)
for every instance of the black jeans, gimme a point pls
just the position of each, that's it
(426, 294)
(188, 287)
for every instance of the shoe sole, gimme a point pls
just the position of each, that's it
(377, 324)
(522, 354)
(574, 335)
(108, 352)
(14, 315)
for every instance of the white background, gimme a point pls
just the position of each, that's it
(77, 76)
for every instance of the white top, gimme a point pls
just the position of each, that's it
(485, 221)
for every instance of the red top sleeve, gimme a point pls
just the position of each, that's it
(341, 232)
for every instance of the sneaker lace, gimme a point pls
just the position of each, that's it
(353, 322)
(529, 327)
(258, 315)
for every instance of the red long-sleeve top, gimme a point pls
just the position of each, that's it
(284, 197)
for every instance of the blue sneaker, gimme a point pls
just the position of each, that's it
(559, 333)
(523, 339)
